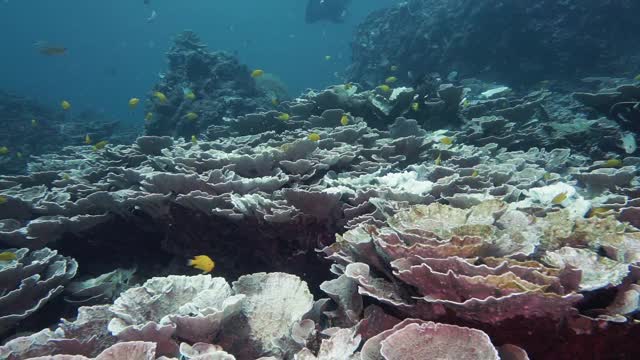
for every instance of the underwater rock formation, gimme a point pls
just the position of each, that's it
(201, 88)
(519, 42)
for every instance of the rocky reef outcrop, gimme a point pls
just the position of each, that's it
(201, 88)
(509, 41)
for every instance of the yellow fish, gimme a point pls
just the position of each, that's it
(415, 106)
(65, 105)
(149, 116)
(391, 80)
(191, 116)
(285, 147)
(613, 163)
(160, 96)
(133, 102)
(4, 150)
(87, 139)
(314, 137)
(384, 88)
(194, 139)
(327, 57)
(275, 102)
(446, 140)
(202, 262)
(7, 256)
(393, 68)
(257, 73)
(348, 86)
(3, 200)
(558, 199)
(19, 155)
(344, 120)
(438, 160)
(66, 176)
(283, 117)
(100, 145)
(597, 211)
(466, 103)
(34, 123)
(475, 173)
(546, 176)
(189, 95)
(637, 78)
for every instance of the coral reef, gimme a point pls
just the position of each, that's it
(447, 236)
(209, 85)
(451, 219)
(28, 282)
(459, 196)
(492, 266)
(271, 315)
(621, 103)
(31, 129)
(515, 41)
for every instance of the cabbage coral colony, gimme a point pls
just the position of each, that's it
(354, 227)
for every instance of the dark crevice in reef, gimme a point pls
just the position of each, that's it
(160, 247)
(250, 246)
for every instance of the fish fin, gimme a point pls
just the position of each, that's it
(190, 262)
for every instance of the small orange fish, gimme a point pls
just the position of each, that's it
(202, 262)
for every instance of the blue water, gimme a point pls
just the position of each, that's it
(115, 54)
